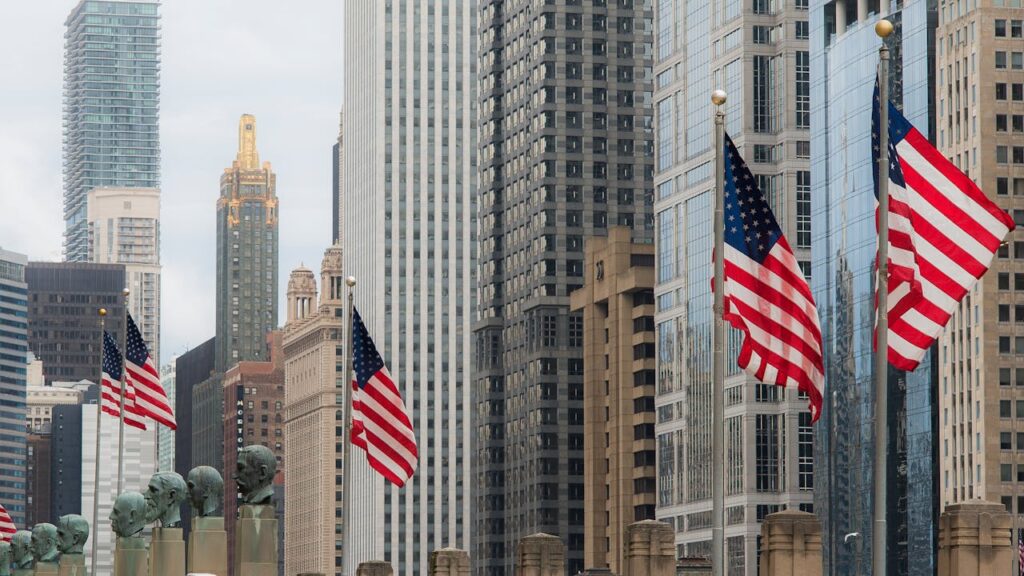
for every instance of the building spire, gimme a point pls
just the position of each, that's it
(248, 158)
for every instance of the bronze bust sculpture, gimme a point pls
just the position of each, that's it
(5, 558)
(164, 496)
(72, 533)
(44, 542)
(255, 474)
(128, 517)
(21, 549)
(205, 490)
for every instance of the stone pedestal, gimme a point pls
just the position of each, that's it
(45, 569)
(22, 572)
(449, 562)
(597, 572)
(540, 555)
(131, 557)
(650, 550)
(375, 568)
(208, 546)
(974, 539)
(256, 541)
(167, 552)
(791, 544)
(71, 565)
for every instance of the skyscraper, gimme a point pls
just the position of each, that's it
(565, 152)
(190, 370)
(64, 299)
(124, 228)
(617, 302)
(13, 371)
(337, 200)
(979, 97)
(314, 365)
(410, 240)
(246, 254)
(843, 257)
(111, 106)
(164, 435)
(759, 54)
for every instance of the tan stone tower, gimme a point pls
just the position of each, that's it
(314, 364)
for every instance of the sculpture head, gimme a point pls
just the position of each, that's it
(128, 517)
(255, 474)
(164, 496)
(21, 549)
(44, 542)
(205, 490)
(72, 533)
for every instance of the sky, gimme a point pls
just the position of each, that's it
(220, 59)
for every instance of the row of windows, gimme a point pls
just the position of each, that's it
(1016, 28)
(1016, 60)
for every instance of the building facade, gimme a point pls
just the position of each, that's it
(66, 458)
(190, 369)
(617, 303)
(843, 256)
(14, 352)
(124, 228)
(337, 198)
(565, 152)
(208, 422)
(165, 436)
(111, 106)
(757, 52)
(63, 316)
(979, 96)
(139, 465)
(254, 401)
(41, 401)
(314, 372)
(247, 253)
(410, 104)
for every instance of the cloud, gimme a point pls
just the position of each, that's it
(220, 59)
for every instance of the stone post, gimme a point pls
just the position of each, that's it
(791, 544)
(650, 549)
(597, 572)
(375, 568)
(540, 555)
(975, 539)
(449, 562)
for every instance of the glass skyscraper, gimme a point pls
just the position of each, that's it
(843, 68)
(13, 383)
(111, 106)
(758, 52)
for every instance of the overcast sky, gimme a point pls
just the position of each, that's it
(221, 58)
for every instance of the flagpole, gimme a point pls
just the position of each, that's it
(124, 379)
(99, 424)
(718, 98)
(347, 441)
(879, 537)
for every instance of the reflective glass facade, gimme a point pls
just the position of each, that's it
(13, 373)
(111, 106)
(843, 249)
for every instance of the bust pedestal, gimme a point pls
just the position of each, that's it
(208, 546)
(23, 572)
(256, 541)
(45, 569)
(71, 565)
(167, 552)
(131, 557)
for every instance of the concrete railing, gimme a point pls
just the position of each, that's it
(975, 539)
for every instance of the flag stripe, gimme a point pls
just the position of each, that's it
(7, 527)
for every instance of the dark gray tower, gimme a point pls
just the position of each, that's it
(565, 152)
(246, 254)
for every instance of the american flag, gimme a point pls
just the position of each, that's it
(943, 233)
(7, 528)
(380, 422)
(766, 295)
(1020, 555)
(150, 396)
(111, 387)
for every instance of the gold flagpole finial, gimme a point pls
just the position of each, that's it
(718, 97)
(103, 311)
(883, 28)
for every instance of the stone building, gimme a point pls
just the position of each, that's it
(314, 398)
(254, 414)
(617, 303)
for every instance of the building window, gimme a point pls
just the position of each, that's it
(764, 91)
(803, 30)
(768, 466)
(803, 89)
(803, 209)
(1000, 28)
(762, 34)
(1000, 60)
(805, 452)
